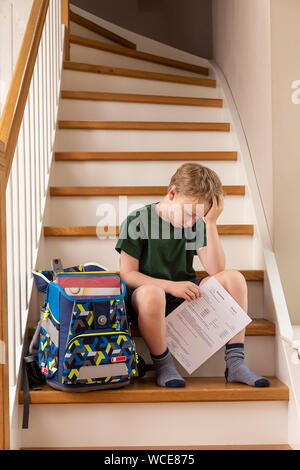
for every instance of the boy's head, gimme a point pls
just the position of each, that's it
(191, 189)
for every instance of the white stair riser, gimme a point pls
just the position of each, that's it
(259, 356)
(87, 33)
(255, 299)
(83, 210)
(86, 81)
(127, 173)
(86, 110)
(149, 424)
(89, 55)
(83, 140)
(76, 250)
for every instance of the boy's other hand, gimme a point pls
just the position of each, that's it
(186, 289)
(215, 210)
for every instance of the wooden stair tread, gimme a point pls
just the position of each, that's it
(144, 156)
(258, 327)
(249, 274)
(100, 30)
(115, 49)
(145, 390)
(146, 125)
(143, 74)
(254, 275)
(90, 230)
(139, 98)
(235, 190)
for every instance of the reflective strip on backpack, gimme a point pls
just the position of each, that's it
(95, 372)
(51, 330)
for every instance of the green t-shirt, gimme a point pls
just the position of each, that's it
(163, 250)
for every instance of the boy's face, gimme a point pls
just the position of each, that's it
(184, 211)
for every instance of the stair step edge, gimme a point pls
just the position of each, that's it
(61, 191)
(93, 231)
(120, 50)
(141, 74)
(88, 24)
(148, 156)
(145, 390)
(140, 98)
(146, 126)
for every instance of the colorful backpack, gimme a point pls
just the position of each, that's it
(83, 341)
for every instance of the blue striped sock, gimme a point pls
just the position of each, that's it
(237, 371)
(166, 372)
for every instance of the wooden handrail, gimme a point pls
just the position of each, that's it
(10, 123)
(13, 110)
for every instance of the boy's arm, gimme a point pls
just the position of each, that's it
(130, 250)
(133, 278)
(129, 272)
(212, 255)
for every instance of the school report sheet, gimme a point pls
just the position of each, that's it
(199, 328)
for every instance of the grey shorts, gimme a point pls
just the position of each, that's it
(171, 304)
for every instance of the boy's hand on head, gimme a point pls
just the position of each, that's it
(186, 289)
(215, 210)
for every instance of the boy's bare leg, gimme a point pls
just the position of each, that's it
(150, 303)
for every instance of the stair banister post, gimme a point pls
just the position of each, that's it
(65, 19)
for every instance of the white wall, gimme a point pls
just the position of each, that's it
(13, 20)
(256, 45)
(241, 48)
(285, 37)
(184, 24)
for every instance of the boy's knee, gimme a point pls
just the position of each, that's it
(235, 279)
(150, 298)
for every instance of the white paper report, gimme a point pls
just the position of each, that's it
(198, 329)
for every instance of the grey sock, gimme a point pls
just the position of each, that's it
(237, 371)
(166, 372)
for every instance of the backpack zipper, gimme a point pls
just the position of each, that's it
(95, 334)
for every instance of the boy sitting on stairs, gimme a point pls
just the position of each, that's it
(157, 244)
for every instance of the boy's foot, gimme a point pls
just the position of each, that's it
(166, 372)
(237, 371)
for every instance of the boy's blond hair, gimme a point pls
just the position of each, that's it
(195, 181)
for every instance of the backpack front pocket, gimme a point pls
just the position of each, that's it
(100, 357)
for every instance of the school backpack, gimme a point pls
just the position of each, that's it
(82, 341)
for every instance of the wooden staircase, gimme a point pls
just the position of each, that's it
(100, 154)
(119, 50)
(145, 156)
(143, 74)
(144, 390)
(135, 98)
